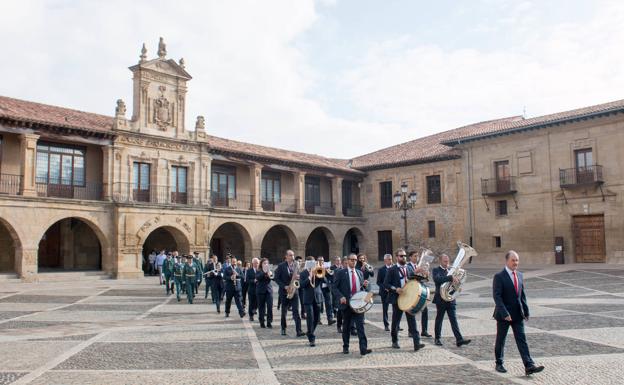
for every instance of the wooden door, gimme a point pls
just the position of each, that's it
(589, 238)
(384, 243)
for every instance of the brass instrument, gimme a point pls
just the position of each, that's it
(426, 257)
(449, 290)
(368, 267)
(267, 271)
(234, 274)
(319, 270)
(294, 281)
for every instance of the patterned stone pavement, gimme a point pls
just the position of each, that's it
(129, 332)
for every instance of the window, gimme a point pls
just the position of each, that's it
(385, 194)
(431, 227)
(384, 243)
(223, 184)
(434, 194)
(583, 163)
(178, 184)
(141, 181)
(497, 242)
(501, 208)
(312, 193)
(270, 189)
(503, 176)
(59, 164)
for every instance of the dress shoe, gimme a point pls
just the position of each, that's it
(409, 335)
(251, 319)
(463, 342)
(345, 350)
(400, 329)
(500, 368)
(300, 334)
(437, 342)
(533, 369)
(218, 310)
(312, 344)
(425, 334)
(320, 322)
(417, 347)
(387, 329)
(339, 329)
(353, 333)
(283, 332)
(227, 315)
(262, 325)
(365, 352)
(270, 326)
(331, 322)
(395, 345)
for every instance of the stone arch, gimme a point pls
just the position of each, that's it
(166, 238)
(320, 242)
(276, 241)
(353, 241)
(10, 247)
(74, 243)
(233, 238)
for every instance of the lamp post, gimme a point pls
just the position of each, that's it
(404, 201)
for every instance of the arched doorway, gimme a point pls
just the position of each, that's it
(319, 242)
(69, 244)
(164, 238)
(352, 241)
(276, 241)
(231, 238)
(9, 243)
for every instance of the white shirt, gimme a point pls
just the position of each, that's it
(404, 278)
(160, 259)
(357, 279)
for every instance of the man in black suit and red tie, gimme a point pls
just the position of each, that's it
(511, 310)
(383, 292)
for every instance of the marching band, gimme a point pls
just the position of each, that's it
(342, 290)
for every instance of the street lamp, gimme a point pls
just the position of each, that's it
(404, 201)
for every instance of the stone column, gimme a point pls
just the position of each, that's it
(299, 190)
(107, 172)
(337, 195)
(28, 161)
(26, 263)
(255, 175)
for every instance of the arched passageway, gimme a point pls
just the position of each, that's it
(69, 244)
(276, 241)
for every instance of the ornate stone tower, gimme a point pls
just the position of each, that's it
(159, 95)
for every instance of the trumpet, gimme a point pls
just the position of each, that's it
(267, 271)
(368, 267)
(234, 274)
(319, 270)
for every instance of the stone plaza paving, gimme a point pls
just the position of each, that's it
(129, 332)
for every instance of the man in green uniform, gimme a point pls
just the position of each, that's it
(189, 278)
(199, 270)
(178, 276)
(168, 273)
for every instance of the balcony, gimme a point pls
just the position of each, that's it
(10, 184)
(68, 189)
(281, 206)
(320, 208)
(239, 202)
(498, 186)
(580, 176)
(164, 195)
(352, 210)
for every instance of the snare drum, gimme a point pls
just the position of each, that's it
(415, 297)
(361, 302)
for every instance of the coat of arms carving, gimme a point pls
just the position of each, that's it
(162, 111)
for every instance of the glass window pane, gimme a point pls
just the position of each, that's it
(55, 168)
(263, 189)
(277, 191)
(79, 171)
(222, 185)
(42, 167)
(67, 172)
(231, 186)
(174, 179)
(135, 175)
(144, 182)
(182, 179)
(214, 185)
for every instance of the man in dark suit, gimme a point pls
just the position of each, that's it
(312, 298)
(232, 276)
(347, 282)
(265, 294)
(250, 279)
(396, 278)
(440, 275)
(325, 284)
(511, 310)
(383, 292)
(283, 276)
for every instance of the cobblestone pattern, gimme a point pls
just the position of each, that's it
(9, 377)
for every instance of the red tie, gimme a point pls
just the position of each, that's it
(515, 282)
(353, 288)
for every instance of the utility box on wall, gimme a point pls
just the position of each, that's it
(559, 256)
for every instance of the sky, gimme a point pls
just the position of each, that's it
(339, 78)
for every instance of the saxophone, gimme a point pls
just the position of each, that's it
(449, 290)
(294, 282)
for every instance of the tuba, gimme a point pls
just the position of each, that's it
(426, 257)
(448, 290)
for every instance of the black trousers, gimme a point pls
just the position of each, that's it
(229, 294)
(252, 300)
(329, 309)
(314, 315)
(384, 306)
(245, 291)
(265, 307)
(424, 320)
(448, 308)
(502, 327)
(209, 287)
(349, 318)
(303, 310)
(397, 314)
(294, 304)
(337, 312)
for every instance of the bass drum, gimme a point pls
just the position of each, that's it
(415, 297)
(361, 302)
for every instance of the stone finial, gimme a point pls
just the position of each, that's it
(200, 124)
(162, 48)
(120, 110)
(143, 54)
(182, 64)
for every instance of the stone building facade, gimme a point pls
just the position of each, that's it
(83, 191)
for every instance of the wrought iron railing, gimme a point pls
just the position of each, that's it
(283, 205)
(352, 210)
(10, 184)
(577, 176)
(499, 186)
(63, 188)
(166, 195)
(320, 208)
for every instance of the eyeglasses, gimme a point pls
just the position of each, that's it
(352, 259)
(401, 255)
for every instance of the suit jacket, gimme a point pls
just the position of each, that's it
(227, 276)
(393, 282)
(209, 266)
(263, 283)
(342, 285)
(250, 279)
(381, 276)
(311, 295)
(439, 277)
(505, 298)
(281, 275)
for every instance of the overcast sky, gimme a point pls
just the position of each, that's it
(337, 78)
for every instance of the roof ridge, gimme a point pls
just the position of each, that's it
(56, 106)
